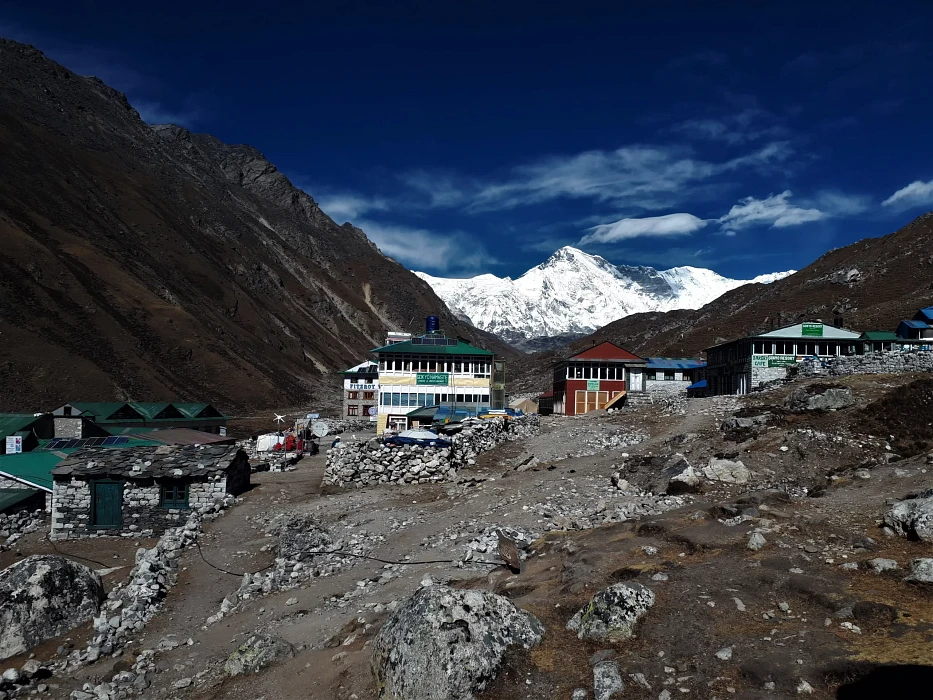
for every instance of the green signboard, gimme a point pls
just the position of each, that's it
(592, 385)
(432, 378)
(773, 360)
(812, 330)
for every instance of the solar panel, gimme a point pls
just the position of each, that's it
(110, 441)
(122, 440)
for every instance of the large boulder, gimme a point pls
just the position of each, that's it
(726, 471)
(445, 644)
(678, 476)
(913, 518)
(256, 653)
(920, 571)
(612, 614)
(819, 398)
(44, 596)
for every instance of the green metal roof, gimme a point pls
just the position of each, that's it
(191, 410)
(33, 468)
(408, 347)
(879, 335)
(149, 409)
(10, 497)
(99, 409)
(12, 423)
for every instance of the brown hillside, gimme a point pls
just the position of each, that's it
(869, 285)
(151, 263)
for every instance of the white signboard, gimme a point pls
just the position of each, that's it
(14, 444)
(223, 431)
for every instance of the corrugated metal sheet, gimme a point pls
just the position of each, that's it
(12, 423)
(674, 363)
(916, 324)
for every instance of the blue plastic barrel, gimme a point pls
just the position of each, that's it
(432, 324)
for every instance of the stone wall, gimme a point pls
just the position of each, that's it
(143, 514)
(371, 462)
(873, 363)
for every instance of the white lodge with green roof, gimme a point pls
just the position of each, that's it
(434, 370)
(741, 365)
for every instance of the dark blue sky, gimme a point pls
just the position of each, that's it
(470, 137)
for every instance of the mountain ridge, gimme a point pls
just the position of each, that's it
(573, 293)
(154, 263)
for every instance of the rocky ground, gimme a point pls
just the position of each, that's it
(763, 547)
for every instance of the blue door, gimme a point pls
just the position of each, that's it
(107, 505)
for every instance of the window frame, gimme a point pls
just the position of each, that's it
(176, 502)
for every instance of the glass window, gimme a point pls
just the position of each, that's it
(669, 375)
(396, 399)
(353, 410)
(458, 367)
(175, 495)
(353, 395)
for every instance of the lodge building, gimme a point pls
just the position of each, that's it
(435, 370)
(361, 390)
(739, 366)
(597, 378)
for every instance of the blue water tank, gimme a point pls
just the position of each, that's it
(432, 324)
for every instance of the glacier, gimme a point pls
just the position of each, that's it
(573, 293)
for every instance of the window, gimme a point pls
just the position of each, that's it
(353, 395)
(175, 495)
(353, 410)
(578, 372)
(669, 375)
(369, 395)
(396, 399)
(459, 398)
(458, 367)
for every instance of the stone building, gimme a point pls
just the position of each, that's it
(741, 365)
(141, 490)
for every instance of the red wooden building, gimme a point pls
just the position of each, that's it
(599, 377)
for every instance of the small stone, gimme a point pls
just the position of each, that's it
(862, 474)
(580, 694)
(181, 683)
(724, 654)
(660, 576)
(804, 688)
(756, 541)
(291, 601)
(880, 565)
(784, 607)
(607, 681)
(665, 695)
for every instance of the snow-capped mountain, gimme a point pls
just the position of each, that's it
(574, 293)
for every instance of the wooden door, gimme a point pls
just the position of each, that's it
(107, 505)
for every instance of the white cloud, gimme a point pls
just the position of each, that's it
(917, 193)
(639, 177)
(835, 203)
(347, 206)
(665, 226)
(433, 252)
(775, 210)
(744, 127)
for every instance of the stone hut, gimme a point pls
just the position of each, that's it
(141, 490)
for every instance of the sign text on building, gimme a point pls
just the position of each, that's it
(812, 330)
(592, 385)
(432, 378)
(773, 360)
(14, 444)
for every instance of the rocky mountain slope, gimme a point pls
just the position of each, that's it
(869, 285)
(153, 263)
(573, 293)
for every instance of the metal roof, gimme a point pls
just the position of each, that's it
(413, 347)
(926, 312)
(674, 363)
(33, 468)
(879, 335)
(186, 436)
(12, 423)
(99, 409)
(10, 497)
(915, 324)
(698, 385)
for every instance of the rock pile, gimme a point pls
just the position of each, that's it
(371, 462)
(44, 596)
(15, 525)
(445, 643)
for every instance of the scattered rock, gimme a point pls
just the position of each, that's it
(256, 653)
(448, 643)
(607, 680)
(726, 471)
(879, 565)
(756, 541)
(818, 397)
(612, 613)
(912, 518)
(724, 654)
(920, 571)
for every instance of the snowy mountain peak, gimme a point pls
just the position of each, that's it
(573, 293)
